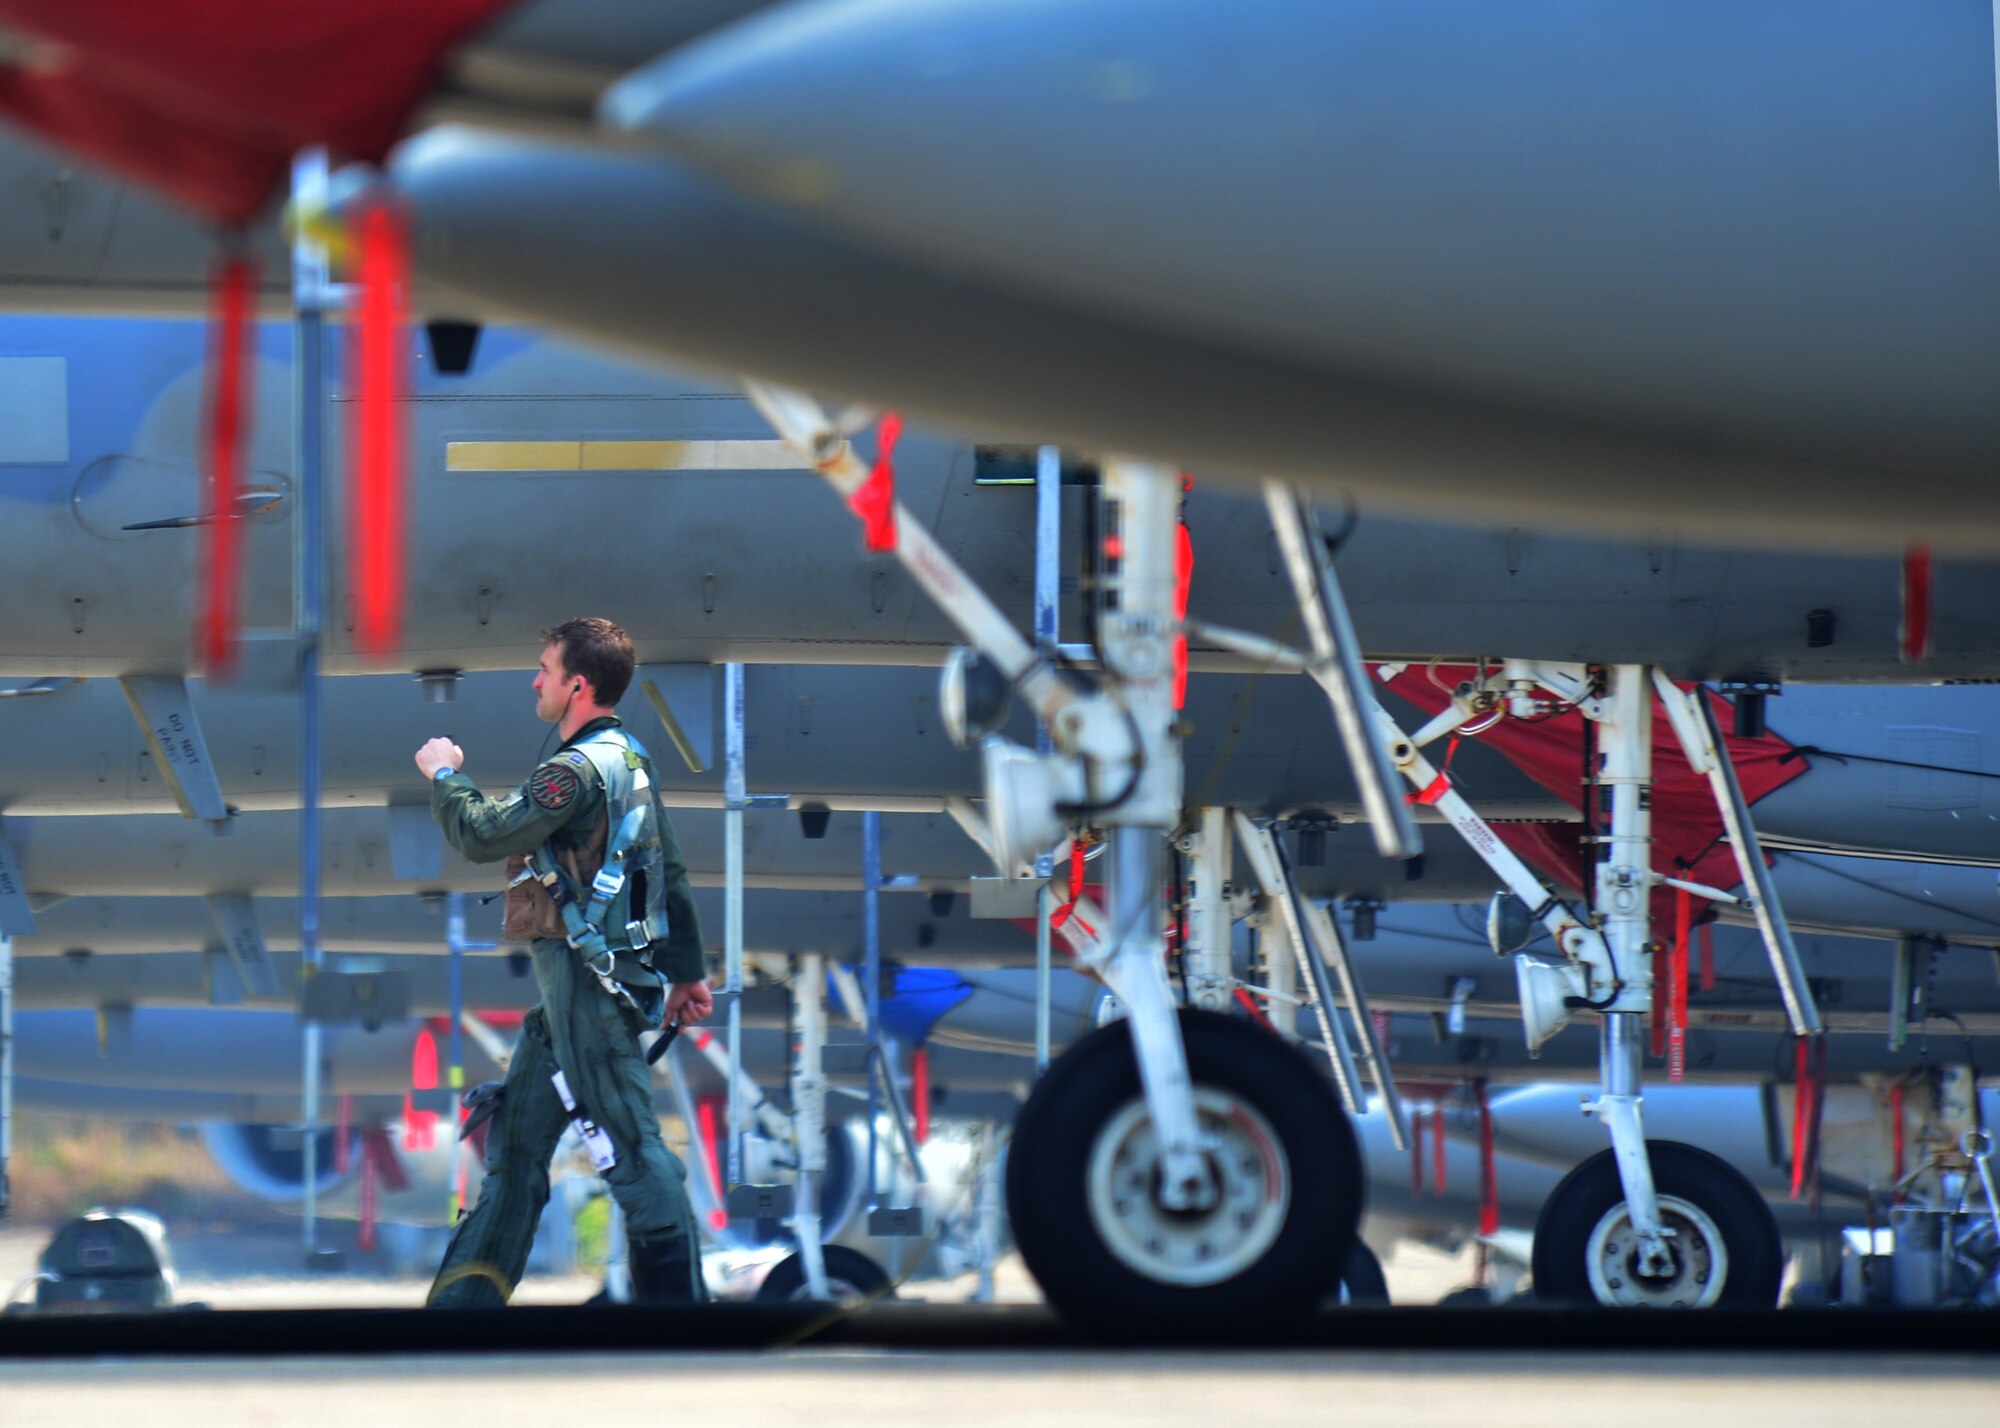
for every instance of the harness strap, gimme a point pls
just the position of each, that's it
(632, 833)
(610, 879)
(588, 942)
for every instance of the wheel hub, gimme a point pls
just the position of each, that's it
(1237, 1216)
(1696, 1265)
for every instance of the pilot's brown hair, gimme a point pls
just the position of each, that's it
(599, 651)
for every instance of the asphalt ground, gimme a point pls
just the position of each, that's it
(258, 1359)
(762, 1329)
(1436, 1387)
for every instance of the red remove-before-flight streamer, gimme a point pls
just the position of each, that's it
(225, 439)
(380, 445)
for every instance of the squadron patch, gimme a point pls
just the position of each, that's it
(553, 787)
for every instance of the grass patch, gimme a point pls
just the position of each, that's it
(64, 1164)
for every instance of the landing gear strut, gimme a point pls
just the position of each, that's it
(1644, 1223)
(1169, 1165)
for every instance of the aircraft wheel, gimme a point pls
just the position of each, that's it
(1285, 1179)
(851, 1278)
(1724, 1245)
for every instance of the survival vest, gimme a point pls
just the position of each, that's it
(612, 923)
(626, 903)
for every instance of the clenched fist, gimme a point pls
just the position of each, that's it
(439, 754)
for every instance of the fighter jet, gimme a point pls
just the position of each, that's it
(1809, 629)
(1661, 226)
(1391, 977)
(101, 568)
(1385, 356)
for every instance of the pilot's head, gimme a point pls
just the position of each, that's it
(588, 660)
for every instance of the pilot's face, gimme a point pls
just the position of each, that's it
(554, 687)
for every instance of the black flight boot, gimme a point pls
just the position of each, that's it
(666, 1270)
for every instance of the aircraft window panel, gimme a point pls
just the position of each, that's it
(34, 410)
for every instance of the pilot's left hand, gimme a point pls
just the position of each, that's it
(689, 1002)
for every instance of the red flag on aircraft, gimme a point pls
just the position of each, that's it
(208, 100)
(225, 440)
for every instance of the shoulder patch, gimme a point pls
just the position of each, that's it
(553, 786)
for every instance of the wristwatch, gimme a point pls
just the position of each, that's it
(442, 774)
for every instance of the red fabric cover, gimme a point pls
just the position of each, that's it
(208, 100)
(1686, 825)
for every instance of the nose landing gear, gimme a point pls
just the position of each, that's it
(1721, 1241)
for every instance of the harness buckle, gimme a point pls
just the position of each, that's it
(636, 936)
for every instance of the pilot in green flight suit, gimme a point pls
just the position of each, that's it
(593, 807)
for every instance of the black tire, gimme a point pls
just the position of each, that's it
(1363, 1284)
(851, 1277)
(1591, 1197)
(1298, 1244)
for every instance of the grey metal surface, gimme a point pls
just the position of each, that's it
(74, 239)
(1887, 897)
(786, 302)
(1927, 779)
(837, 735)
(1622, 217)
(182, 1050)
(1418, 951)
(605, 32)
(762, 565)
(133, 855)
(914, 929)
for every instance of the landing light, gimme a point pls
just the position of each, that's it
(972, 697)
(1022, 791)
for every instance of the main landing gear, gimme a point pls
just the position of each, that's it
(1644, 1223)
(1272, 1217)
(1173, 1166)
(1182, 1164)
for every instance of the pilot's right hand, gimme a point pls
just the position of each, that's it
(439, 754)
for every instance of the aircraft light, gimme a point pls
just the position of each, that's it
(973, 697)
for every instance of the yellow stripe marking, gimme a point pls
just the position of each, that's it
(498, 456)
